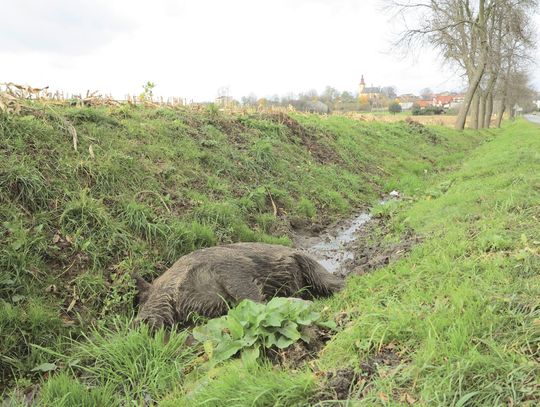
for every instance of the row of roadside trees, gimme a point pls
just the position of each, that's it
(490, 41)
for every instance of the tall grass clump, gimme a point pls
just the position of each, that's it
(63, 390)
(25, 322)
(238, 385)
(92, 229)
(25, 184)
(139, 365)
(146, 186)
(142, 221)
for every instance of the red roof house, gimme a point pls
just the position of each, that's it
(443, 100)
(423, 103)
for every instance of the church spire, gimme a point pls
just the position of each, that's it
(362, 85)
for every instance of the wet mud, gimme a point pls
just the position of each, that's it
(334, 247)
(356, 245)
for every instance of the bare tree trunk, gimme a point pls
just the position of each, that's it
(472, 33)
(512, 115)
(481, 108)
(489, 110)
(465, 106)
(475, 104)
(500, 113)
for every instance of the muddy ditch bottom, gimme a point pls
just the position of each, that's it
(334, 248)
(356, 245)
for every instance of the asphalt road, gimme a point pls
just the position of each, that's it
(533, 118)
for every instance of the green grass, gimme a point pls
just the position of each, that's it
(65, 391)
(161, 183)
(462, 311)
(134, 363)
(238, 385)
(460, 315)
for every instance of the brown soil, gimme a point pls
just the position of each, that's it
(369, 249)
(426, 131)
(372, 252)
(320, 152)
(350, 384)
(339, 384)
(301, 352)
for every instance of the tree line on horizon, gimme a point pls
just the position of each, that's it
(334, 99)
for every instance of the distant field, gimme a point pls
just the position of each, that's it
(438, 120)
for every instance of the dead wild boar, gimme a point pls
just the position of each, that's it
(207, 281)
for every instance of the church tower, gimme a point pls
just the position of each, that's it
(362, 85)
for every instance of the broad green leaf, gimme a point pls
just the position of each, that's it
(250, 325)
(306, 338)
(278, 303)
(250, 355)
(248, 340)
(209, 349)
(284, 342)
(272, 319)
(225, 350)
(308, 319)
(270, 340)
(290, 330)
(328, 324)
(260, 317)
(235, 327)
(199, 334)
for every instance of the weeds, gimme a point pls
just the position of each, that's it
(135, 363)
(25, 184)
(65, 391)
(236, 385)
(250, 328)
(146, 186)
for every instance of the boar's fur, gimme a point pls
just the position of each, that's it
(207, 281)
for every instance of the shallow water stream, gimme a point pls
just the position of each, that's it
(333, 248)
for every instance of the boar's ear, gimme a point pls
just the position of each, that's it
(142, 285)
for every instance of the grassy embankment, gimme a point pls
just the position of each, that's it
(455, 323)
(148, 185)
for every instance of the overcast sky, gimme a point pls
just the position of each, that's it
(190, 48)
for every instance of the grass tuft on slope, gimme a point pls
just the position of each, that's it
(146, 186)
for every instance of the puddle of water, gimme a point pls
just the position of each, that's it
(331, 250)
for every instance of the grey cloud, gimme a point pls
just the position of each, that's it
(58, 26)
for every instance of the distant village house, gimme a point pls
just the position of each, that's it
(374, 96)
(443, 100)
(371, 93)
